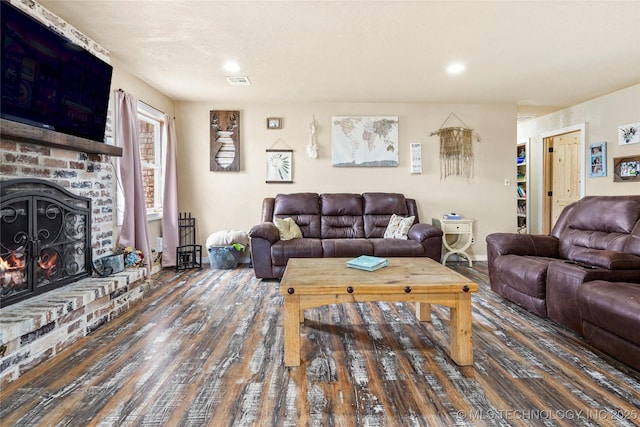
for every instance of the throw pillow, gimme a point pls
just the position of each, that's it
(398, 227)
(287, 228)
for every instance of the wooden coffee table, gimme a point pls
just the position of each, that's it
(314, 282)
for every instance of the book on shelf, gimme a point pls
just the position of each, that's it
(521, 192)
(368, 263)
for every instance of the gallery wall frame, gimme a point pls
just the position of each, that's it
(629, 134)
(224, 141)
(279, 166)
(598, 160)
(626, 169)
(274, 123)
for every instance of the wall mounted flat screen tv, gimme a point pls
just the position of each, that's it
(50, 82)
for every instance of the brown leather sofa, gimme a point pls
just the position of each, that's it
(594, 239)
(338, 225)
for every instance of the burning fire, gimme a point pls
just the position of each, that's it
(48, 264)
(11, 270)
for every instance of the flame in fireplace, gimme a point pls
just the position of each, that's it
(11, 270)
(13, 262)
(48, 264)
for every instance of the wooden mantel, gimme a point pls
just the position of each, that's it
(20, 132)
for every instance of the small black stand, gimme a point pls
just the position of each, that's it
(188, 254)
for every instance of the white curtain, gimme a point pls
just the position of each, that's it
(170, 199)
(134, 231)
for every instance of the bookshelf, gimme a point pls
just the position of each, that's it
(522, 186)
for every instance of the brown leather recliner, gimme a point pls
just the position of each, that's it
(338, 225)
(596, 238)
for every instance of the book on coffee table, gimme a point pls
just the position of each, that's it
(368, 263)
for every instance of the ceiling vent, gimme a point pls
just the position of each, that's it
(525, 117)
(238, 81)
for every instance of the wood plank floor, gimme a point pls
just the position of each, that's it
(205, 348)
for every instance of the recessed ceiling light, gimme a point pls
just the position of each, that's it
(455, 68)
(231, 67)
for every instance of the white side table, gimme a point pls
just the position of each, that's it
(462, 230)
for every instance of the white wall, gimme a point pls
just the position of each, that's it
(233, 200)
(601, 116)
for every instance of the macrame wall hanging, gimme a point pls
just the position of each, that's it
(456, 149)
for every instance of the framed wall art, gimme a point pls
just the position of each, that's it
(224, 141)
(364, 141)
(629, 134)
(626, 169)
(279, 166)
(274, 123)
(598, 159)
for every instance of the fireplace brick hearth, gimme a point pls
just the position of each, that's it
(38, 329)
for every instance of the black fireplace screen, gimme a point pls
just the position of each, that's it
(45, 238)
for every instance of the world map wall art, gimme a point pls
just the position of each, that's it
(368, 141)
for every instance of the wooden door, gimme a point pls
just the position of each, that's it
(562, 175)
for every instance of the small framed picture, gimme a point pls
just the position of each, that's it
(626, 169)
(598, 159)
(274, 123)
(629, 134)
(279, 166)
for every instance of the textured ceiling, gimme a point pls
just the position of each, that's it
(536, 54)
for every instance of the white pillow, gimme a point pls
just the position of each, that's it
(287, 228)
(398, 227)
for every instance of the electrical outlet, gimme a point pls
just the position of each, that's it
(507, 182)
(473, 240)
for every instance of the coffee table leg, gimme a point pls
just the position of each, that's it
(461, 331)
(423, 311)
(291, 330)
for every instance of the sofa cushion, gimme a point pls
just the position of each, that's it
(304, 208)
(341, 216)
(334, 248)
(613, 306)
(287, 228)
(396, 247)
(378, 208)
(282, 250)
(601, 222)
(527, 274)
(398, 227)
(611, 214)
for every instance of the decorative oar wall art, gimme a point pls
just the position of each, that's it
(456, 148)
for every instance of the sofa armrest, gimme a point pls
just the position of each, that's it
(267, 231)
(263, 237)
(421, 232)
(610, 260)
(523, 244)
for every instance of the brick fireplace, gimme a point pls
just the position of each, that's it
(83, 174)
(39, 328)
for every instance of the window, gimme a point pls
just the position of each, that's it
(151, 127)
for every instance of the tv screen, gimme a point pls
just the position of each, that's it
(50, 82)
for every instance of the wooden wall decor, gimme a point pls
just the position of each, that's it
(224, 141)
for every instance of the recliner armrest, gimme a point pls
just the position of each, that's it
(267, 231)
(523, 244)
(421, 232)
